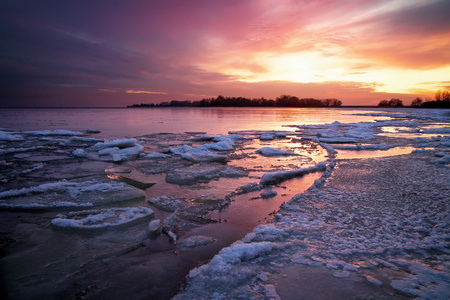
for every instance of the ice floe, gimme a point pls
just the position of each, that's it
(269, 151)
(102, 218)
(275, 177)
(59, 132)
(69, 194)
(195, 241)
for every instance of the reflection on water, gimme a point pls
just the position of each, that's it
(120, 122)
(359, 154)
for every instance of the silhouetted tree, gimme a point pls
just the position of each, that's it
(417, 102)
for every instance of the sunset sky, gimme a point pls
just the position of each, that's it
(116, 53)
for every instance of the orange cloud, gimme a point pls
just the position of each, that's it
(144, 92)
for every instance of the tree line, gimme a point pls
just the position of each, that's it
(221, 101)
(441, 100)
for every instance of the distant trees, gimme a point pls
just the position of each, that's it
(441, 100)
(394, 102)
(221, 101)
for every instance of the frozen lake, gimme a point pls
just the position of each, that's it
(113, 203)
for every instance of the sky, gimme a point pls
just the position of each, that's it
(108, 53)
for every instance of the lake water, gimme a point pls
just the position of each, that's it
(121, 122)
(128, 262)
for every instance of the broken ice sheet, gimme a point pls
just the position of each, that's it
(103, 218)
(69, 194)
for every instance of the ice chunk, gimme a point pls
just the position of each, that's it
(4, 136)
(79, 153)
(204, 156)
(103, 218)
(268, 194)
(69, 194)
(382, 146)
(56, 132)
(195, 174)
(124, 143)
(168, 203)
(269, 151)
(77, 139)
(108, 151)
(16, 150)
(157, 155)
(266, 137)
(274, 177)
(196, 241)
(154, 226)
(337, 140)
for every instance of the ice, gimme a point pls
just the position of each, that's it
(103, 218)
(424, 282)
(33, 168)
(337, 140)
(124, 143)
(382, 146)
(269, 151)
(266, 137)
(79, 153)
(77, 139)
(268, 194)
(275, 177)
(17, 150)
(443, 160)
(154, 227)
(108, 151)
(196, 241)
(120, 154)
(203, 153)
(59, 132)
(4, 136)
(168, 203)
(204, 156)
(441, 130)
(156, 155)
(194, 174)
(69, 194)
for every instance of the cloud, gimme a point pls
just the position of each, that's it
(144, 92)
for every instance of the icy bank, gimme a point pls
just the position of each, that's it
(389, 229)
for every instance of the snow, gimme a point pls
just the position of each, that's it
(103, 218)
(269, 151)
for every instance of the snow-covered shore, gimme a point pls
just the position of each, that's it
(381, 224)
